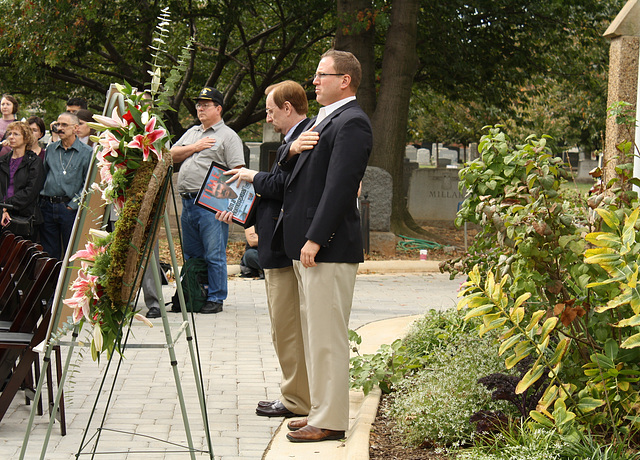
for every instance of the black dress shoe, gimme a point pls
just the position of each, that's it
(265, 403)
(211, 307)
(154, 312)
(276, 409)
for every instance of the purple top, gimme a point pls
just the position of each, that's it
(14, 164)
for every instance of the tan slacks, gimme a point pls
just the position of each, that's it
(326, 294)
(283, 302)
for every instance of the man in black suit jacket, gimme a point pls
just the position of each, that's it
(287, 108)
(320, 228)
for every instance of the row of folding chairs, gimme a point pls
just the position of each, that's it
(28, 279)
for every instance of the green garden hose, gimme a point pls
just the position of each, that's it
(416, 243)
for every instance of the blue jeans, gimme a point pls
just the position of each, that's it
(204, 236)
(55, 232)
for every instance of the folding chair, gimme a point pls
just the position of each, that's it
(25, 333)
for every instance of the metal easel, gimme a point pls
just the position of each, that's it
(185, 327)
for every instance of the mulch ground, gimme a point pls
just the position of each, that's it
(386, 444)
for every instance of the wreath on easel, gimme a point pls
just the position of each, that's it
(133, 162)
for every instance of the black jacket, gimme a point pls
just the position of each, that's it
(27, 183)
(270, 187)
(320, 193)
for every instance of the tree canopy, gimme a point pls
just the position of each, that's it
(452, 66)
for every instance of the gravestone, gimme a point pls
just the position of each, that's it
(377, 186)
(584, 167)
(434, 195)
(423, 157)
(473, 151)
(447, 154)
(411, 152)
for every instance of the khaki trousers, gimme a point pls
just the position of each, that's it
(286, 332)
(326, 294)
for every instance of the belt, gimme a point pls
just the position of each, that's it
(189, 196)
(56, 199)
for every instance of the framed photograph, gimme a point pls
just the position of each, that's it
(216, 195)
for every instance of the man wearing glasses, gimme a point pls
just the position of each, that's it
(320, 229)
(66, 164)
(203, 235)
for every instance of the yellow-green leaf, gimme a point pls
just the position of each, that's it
(541, 419)
(631, 342)
(535, 318)
(517, 314)
(561, 349)
(479, 311)
(589, 404)
(633, 321)
(522, 299)
(548, 326)
(531, 377)
(609, 217)
(509, 343)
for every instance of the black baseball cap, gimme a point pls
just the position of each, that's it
(210, 94)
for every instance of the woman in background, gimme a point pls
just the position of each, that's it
(8, 109)
(21, 179)
(37, 127)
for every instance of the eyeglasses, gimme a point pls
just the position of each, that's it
(203, 105)
(269, 112)
(320, 75)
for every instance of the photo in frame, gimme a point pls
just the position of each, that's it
(216, 194)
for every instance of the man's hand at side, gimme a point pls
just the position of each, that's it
(308, 254)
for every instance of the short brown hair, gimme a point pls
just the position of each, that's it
(13, 100)
(291, 91)
(25, 130)
(39, 122)
(346, 63)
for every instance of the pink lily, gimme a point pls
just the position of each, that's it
(109, 143)
(89, 253)
(80, 305)
(145, 143)
(84, 285)
(142, 318)
(111, 122)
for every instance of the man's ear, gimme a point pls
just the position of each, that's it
(346, 81)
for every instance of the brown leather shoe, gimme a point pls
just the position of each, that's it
(295, 425)
(312, 434)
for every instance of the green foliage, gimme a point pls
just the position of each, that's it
(387, 367)
(391, 363)
(561, 279)
(516, 441)
(433, 406)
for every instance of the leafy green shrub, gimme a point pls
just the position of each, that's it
(562, 278)
(433, 406)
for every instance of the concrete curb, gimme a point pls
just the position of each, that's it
(357, 445)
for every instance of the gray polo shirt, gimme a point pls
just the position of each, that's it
(227, 151)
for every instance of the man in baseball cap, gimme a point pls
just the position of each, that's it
(203, 235)
(210, 94)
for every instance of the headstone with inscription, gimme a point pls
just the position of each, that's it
(434, 195)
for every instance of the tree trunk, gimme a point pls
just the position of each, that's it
(356, 33)
(389, 121)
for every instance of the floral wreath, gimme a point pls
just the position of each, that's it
(133, 160)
